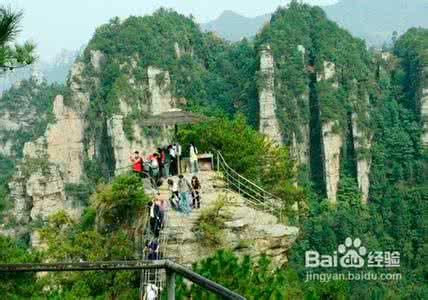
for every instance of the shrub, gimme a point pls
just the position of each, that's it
(210, 223)
(248, 152)
(117, 203)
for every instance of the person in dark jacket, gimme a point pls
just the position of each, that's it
(196, 197)
(156, 218)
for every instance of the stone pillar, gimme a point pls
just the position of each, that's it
(268, 122)
(331, 140)
(424, 116)
(159, 84)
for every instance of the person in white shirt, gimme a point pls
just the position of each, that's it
(193, 158)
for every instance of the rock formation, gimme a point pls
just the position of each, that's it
(50, 162)
(424, 115)
(8, 126)
(18, 114)
(331, 140)
(160, 95)
(331, 146)
(64, 140)
(268, 121)
(80, 96)
(141, 141)
(300, 147)
(247, 231)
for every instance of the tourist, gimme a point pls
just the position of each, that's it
(184, 188)
(154, 166)
(173, 156)
(155, 217)
(174, 197)
(160, 160)
(196, 197)
(153, 249)
(137, 163)
(193, 158)
(167, 162)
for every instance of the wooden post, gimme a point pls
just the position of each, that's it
(170, 284)
(178, 165)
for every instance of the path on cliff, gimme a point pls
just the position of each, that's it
(249, 229)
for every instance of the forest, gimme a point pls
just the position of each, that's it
(222, 80)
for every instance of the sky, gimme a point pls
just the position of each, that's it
(69, 24)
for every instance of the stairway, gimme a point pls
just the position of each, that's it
(252, 229)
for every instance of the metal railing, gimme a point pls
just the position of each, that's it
(170, 268)
(253, 194)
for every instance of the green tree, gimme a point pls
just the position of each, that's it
(248, 152)
(13, 55)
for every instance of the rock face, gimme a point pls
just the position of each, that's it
(47, 192)
(268, 121)
(159, 84)
(64, 141)
(300, 147)
(37, 195)
(123, 147)
(362, 145)
(424, 116)
(331, 146)
(246, 232)
(297, 137)
(140, 138)
(50, 162)
(97, 59)
(21, 115)
(79, 95)
(331, 141)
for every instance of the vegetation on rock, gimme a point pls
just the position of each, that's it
(221, 80)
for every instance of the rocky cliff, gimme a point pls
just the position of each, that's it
(331, 138)
(246, 232)
(323, 81)
(24, 113)
(424, 115)
(268, 121)
(50, 162)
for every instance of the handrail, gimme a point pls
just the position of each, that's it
(253, 193)
(243, 178)
(170, 267)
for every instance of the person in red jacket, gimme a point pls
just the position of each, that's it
(137, 163)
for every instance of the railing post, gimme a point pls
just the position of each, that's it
(239, 187)
(170, 284)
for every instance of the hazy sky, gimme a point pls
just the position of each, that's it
(68, 24)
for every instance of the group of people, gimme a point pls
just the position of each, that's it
(164, 162)
(185, 195)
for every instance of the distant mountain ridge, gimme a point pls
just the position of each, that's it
(54, 70)
(233, 26)
(372, 20)
(375, 21)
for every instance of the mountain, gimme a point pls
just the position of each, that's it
(53, 71)
(353, 120)
(374, 21)
(233, 26)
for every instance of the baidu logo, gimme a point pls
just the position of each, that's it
(352, 254)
